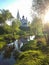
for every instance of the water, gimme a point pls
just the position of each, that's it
(11, 60)
(7, 61)
(21, 42)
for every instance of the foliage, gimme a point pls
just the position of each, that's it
(31, 58)
(36, 26)
(38, 44)
(46, 32)
(16, 54)
(9, 38)
(21, 32)
(7, 29)
(40, 6)
(35, 52)
(1, 30)
(6, 15)
(15, 26)
(31, 45)
(1, 19)
(8, 50)
(2, 43)
(41, 38)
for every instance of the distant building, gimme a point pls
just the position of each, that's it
(23, 20)
(18, 15)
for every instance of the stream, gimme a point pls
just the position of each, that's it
(11, 60)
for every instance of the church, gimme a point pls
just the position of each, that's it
(23, 20)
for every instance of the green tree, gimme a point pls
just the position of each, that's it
(5, 15)
(46, 32)
(40, 6)
(15, 26)
(1, 19)
(36, 26)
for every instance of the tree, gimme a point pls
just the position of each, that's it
(46, 32)
(40, 6)
(1, 19)
(15, 26)
(36, 26)
(5, 15)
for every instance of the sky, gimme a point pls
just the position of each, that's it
(24, 7)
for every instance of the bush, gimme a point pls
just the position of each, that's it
(38, 44)
(42, 41)
(16, 54)
(2, 44)
(8, 50)
(31, 45)
(30, 58)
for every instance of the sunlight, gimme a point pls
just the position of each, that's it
(46, 17)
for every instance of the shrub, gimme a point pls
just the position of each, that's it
(8, 50)
(30, 58)
(2, 44)
(31, 45)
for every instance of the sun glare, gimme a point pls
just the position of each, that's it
(46, 17)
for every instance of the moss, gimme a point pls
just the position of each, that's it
(30, 58)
